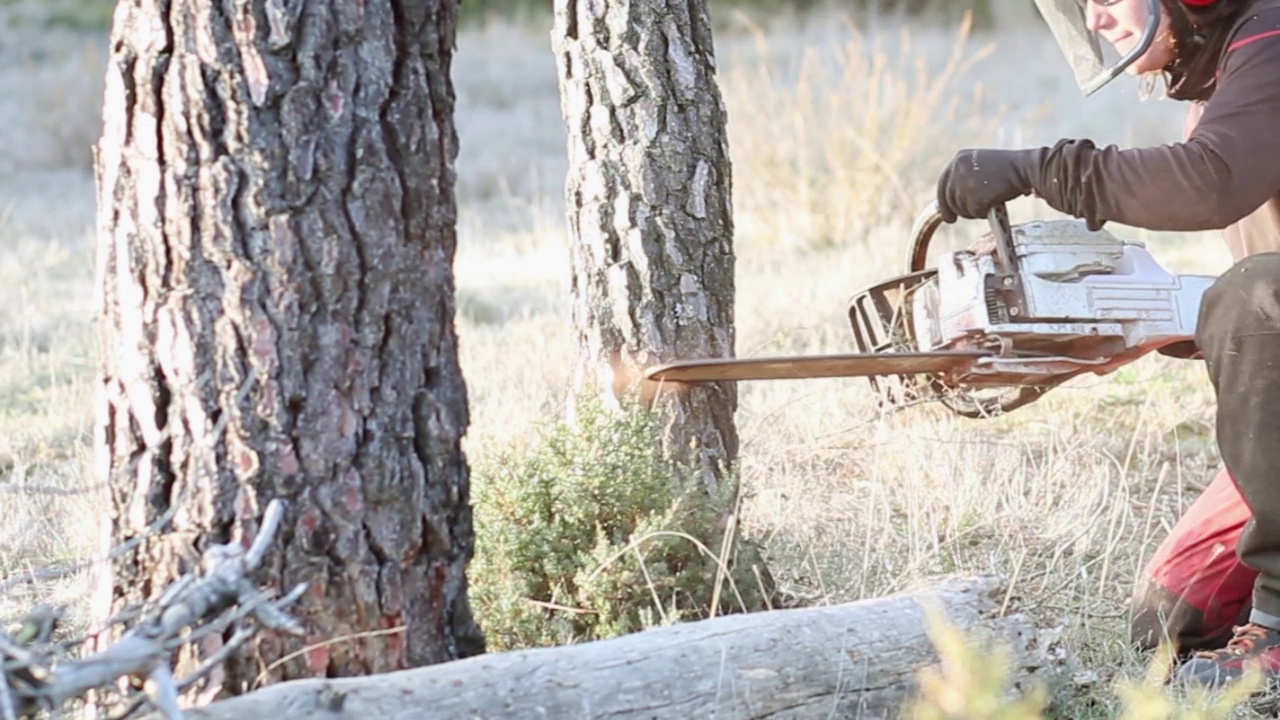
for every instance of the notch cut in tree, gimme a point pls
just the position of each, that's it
(276, 236)
(648, 197)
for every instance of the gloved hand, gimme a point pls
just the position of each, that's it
(975, 181)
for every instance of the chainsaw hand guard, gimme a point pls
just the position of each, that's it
(881, 320)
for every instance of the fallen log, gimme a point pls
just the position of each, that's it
(852, 660)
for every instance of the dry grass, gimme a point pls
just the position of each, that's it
(46, 361)
(837, 132)
(849, 135)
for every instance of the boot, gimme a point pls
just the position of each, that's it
(1253, 647)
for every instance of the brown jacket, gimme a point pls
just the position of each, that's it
(1223, 175)
(1259, 231)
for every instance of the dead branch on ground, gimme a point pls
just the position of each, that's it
(35, 676)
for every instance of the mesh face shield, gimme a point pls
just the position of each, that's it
(1083, 49)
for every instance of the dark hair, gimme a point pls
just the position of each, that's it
(1199, 33)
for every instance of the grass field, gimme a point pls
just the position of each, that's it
(838, 129)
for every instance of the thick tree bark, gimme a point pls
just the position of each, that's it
(847, 661)
(276, 239)
(649, 207)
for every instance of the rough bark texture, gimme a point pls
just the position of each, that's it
(848, 661)
(276, 239)
(649, 207)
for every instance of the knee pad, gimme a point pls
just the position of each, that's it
(1157, 616)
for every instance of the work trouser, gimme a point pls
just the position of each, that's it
(1221, 564)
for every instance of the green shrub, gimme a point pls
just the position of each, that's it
(592, 534)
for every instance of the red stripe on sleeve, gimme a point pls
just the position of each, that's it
(1245, 41)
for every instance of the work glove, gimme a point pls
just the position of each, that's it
(975, 181)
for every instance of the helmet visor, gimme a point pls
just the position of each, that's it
(1083, 48)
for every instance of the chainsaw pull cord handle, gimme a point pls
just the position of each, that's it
(928, 222)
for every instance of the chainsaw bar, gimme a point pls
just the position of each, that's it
(815, 366)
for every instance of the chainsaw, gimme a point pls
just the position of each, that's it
(992, 329)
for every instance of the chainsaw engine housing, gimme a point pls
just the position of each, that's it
(1054, 301)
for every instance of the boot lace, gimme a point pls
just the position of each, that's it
(1244, 639)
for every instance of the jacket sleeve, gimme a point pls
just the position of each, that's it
(1227, 167)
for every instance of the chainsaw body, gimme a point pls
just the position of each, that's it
(1076, 298)
(1052, 300)
(985, 332)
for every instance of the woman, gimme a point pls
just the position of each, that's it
(1213, 587)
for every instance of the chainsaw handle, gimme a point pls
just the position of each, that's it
(928, 222)
(998, 218)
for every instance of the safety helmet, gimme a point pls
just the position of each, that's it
(1084, 50)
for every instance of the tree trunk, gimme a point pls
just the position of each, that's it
(856, 660)
(649, 207)
(276, 240)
